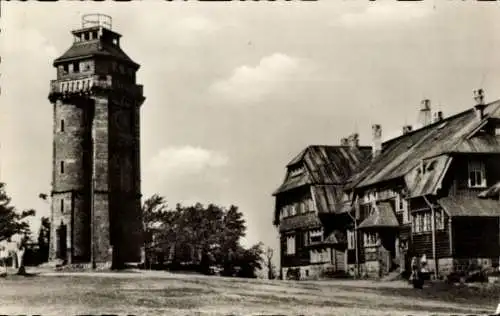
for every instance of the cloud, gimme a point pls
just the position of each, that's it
(249, 85)
(186, 160)
(378, 14)
(27, 40)
(197, 23)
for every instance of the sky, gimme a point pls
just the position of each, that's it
(236, 89)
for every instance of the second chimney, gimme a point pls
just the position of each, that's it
(377, 139)
(438, 116)
(479, 107)
(425, 112)
(353, 140)
(407, 129)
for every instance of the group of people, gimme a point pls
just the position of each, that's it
(418, 269)
(11, 250)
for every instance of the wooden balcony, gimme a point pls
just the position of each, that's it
(90, 85)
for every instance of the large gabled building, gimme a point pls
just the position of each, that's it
(432, 192)
(422, 195)
(311, 192)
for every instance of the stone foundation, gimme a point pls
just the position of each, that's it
(101, 266)
(370, 269)
(310, 272)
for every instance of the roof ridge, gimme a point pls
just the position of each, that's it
(446, 119)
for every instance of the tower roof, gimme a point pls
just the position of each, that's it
(104, 44)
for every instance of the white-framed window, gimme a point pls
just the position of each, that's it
(497, 131)
(422, 222)
(320, 255)
(439, 219)
(301, 207)
(370, 239)
(286, 210)
(306, 238)
(427, 222)
(351, 240)
(290, 245)
(477, 174)
(402, 206)
(315, 236)
(293, 210)
(296, 171)
(310, 205)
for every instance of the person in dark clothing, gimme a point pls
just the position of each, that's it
(416, 277)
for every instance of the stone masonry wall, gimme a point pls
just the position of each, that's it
(68, 173)
(101, 228)
(60, 216)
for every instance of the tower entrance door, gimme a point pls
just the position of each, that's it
(62, 247)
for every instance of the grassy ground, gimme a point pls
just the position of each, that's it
(162, 293)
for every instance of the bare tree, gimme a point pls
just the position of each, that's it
(270, 266)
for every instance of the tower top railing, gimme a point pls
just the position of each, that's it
(97, 19)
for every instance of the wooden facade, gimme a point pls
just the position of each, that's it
(421, 194)
(309, 210)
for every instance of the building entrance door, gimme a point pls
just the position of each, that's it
(62, 247)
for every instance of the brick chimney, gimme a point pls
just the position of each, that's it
(353, 140)
(407, 129)
(479, 107)
(425, 112)
(438, 116)
(376, 140)
(344, 141)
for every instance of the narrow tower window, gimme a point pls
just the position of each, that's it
(62, 125)
(62, 166)
(62, 206)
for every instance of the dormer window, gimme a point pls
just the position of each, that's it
(477, 174)
(296, 171)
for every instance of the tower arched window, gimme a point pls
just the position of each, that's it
(62, 166)
(62, 206)
(62, 126)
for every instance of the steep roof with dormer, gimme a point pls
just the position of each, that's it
(324, 165)
(325, 169)
(461, 133)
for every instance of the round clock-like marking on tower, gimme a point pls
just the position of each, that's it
(121, 119)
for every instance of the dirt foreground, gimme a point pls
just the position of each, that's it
(163, 293)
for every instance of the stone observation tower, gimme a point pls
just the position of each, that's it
(96, 188)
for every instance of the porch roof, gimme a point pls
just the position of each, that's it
(383, 216)
(465, 206)
(303, 221)
(336, 237)
(491, 192)
(427, 177)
